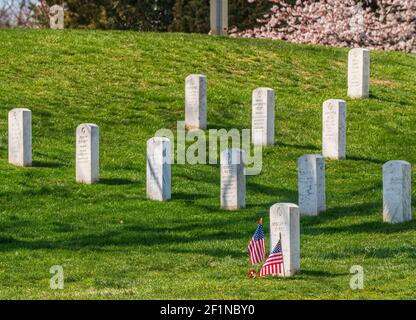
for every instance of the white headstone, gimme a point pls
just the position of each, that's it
(20, 137)
(196, 102)
(334, 129)
(311, 184)
(56, 17)
(359, 73)
(262, 115)
(233, 181)
(397, 193)
(285, 225)
(158, 168)
(87, 153)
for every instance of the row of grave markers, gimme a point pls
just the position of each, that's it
(284, 217)
(311, 168)
(87, 145)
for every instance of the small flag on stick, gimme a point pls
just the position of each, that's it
(256, 247)
(274, 263)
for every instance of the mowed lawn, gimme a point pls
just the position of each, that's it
(113, 243)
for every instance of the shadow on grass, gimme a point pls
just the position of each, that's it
(370, 227)
(227, 125)
(299, 146)
(332, 214)
(390, 101)
(220, 253)
(312, 225)
(188, 197)
(366, 159)
(118, 239)
(46, 164)
(377, 253)
(209, 177)
(290, 195)
(128, 235)
(193, 238)
(375, 187)
(319, 273)
(116, 181)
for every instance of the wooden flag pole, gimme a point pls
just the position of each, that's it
(260, 265)
(260, 221)
(283, 256)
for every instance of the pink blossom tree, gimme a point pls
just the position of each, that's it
(375, 24)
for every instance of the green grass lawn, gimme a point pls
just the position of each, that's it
(113, 243)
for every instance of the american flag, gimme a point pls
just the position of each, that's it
(256, 247)
(274, 263)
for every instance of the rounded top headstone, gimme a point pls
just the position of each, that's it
(84, 128)
(397, 162)
(358, 50)
(284, 205)
(87, 125)
(264, 88)
(314, 155)
(232, 156)
(158, 139)
(336, 101)
(196, 75)
(20, 109)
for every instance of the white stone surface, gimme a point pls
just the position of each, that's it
(87, 153)
(359, 73)
(334, 129)
(397, 193)
(56, 17)
(262, 115)
(158, 168)
(233, 181)
(219, 17)
(196, 102)
(285, 223)
(311, 184)
(20, 137)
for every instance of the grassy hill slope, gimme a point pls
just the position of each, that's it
(113, 243)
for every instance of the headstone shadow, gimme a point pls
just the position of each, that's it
(46, 164)
(366, 159)
(320, 273)
(300, 146)
(371, 227)
(389, 101)
(189, 197)
(116, 181)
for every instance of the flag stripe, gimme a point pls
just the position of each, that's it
(256, 247)
(274, 263)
